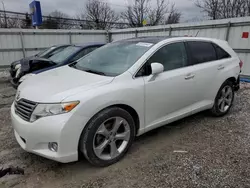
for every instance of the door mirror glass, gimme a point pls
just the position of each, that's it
(157, 68)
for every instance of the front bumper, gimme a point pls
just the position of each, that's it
(63, 129)
(13, 83)
(13, 79)
(12, 72)
(15, 75)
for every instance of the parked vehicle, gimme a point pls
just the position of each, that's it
(44, 61)
(98, 105)
(48, 52)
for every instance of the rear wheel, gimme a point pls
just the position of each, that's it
(108, 137)
(224, 99)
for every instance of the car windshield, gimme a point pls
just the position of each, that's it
(63, 55)
(113, 59)
(45, 52)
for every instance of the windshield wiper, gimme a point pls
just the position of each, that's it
(73, 65)
(95, 72)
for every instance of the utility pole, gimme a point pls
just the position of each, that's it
(5, 18)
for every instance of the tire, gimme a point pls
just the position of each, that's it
(101, 141)
(223, 98)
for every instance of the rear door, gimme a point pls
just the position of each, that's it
(227, 65)
(206, 71)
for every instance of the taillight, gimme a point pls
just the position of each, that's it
(241, 64)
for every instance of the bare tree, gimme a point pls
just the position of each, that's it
(233, 8)
(136, 13)
(2, 21)
(99, 14)
(157, 15)
(142, 10)
(59, 20)
(218, 9)
(11, 21)
(49, 23)
(27, 22)
(248, 7)
(211, 7)
(174, 16)
(81, 23)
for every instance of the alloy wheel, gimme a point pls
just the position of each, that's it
(111, 138)
(225, 99)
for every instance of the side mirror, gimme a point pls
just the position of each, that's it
(157, 68)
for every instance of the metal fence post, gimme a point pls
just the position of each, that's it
(70, 37)
(136, 33)
(108, 36)
(22, 44)
(170, 31)
(228, 31)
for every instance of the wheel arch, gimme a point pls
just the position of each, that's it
(215, 110)
(125, 107)
(132, 112)
(232, 79)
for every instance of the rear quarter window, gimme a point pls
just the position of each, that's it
(201, 52)
(221, 54)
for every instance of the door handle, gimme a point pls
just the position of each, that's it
(189, 76)
(221, 67)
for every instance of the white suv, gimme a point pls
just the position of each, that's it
(99, 104)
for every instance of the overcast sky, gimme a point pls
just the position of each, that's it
(73, 7)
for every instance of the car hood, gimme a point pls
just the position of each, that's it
(57, 84)
(28, 63)
(21, 61)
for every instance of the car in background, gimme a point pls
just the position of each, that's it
(48, 52)
(30, 67)
(97, 105)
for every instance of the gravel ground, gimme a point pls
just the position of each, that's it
(4, 73)
(199, 151)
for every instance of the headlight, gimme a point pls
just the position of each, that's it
(43, 110)
(17, 66)
(25, 77)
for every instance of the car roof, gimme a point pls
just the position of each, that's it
(89, 44)
(153, 39)
(157, 39)
(83, 45)
(61, 45)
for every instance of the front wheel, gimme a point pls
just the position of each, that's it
(108, 136)
(224, 99)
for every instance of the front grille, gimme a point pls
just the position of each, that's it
(24, 108)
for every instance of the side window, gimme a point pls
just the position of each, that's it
(172, 56)
(56, 51)
(202, 52)
(221, 54)
(93, 48)
(83, 53)
(53, 52)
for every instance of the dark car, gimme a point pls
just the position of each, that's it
(40, 64)
(48, 52)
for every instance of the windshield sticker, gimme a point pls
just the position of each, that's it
(144, 44)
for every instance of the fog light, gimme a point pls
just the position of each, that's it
(53, 146)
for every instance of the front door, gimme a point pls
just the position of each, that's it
(169, 95)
